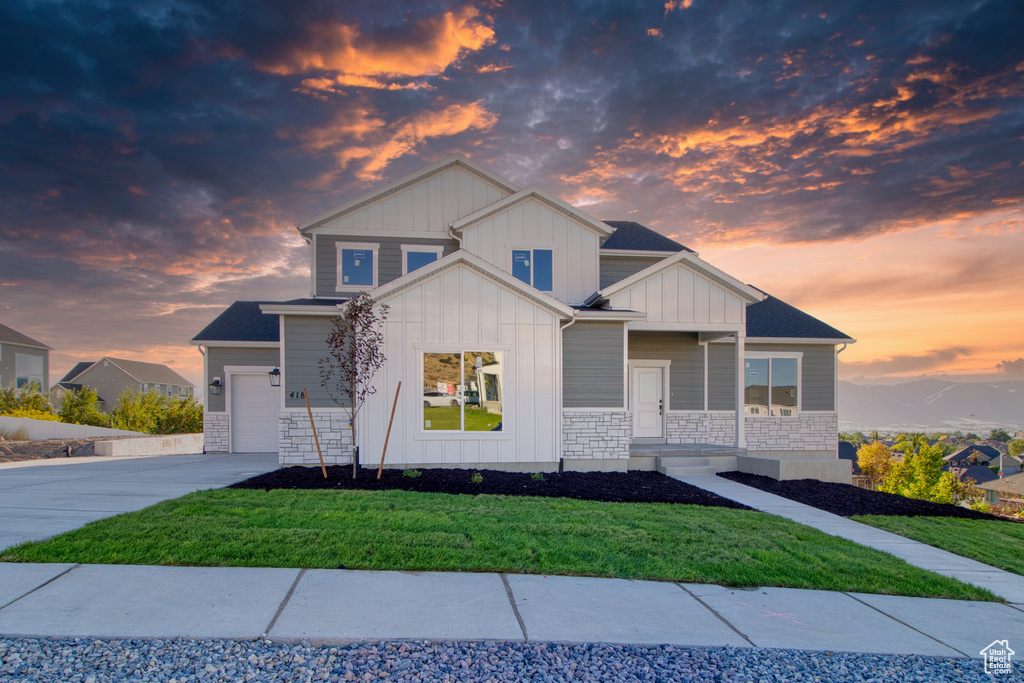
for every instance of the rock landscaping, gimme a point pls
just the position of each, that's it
(614, 487)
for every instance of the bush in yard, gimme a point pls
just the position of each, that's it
(919, 475)
(182, 416)
(33, 414)
(875, 460)
(28, 397)
(79, 407)
(138, 412)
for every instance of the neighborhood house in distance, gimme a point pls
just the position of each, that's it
(527, 335)
(23, 360)
(111, 376)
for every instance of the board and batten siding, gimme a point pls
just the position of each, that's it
(219, 356)
(305, 343)
(678, 294)
(592, 357)
(817, 372)
(459, 309)
(617, 268)
(533, 224)
(389, 258)
(686, 373)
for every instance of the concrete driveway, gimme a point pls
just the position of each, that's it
(43, 498)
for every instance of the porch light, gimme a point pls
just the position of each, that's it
(275, 377)
(215, 386)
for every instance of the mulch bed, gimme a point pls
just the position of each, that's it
(615, 487)
(847, 500)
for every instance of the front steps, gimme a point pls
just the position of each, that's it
(685, 460)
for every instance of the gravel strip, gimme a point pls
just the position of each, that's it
(180, 661)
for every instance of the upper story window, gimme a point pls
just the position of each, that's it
(534, 267)
(418, 255)
(28, 369)
(357, 265)
(772, 384)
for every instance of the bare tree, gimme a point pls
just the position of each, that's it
(355, 354)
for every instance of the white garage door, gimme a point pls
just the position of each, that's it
(254, 414)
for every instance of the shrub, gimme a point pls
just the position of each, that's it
(477, 478)
(28, 397)
(79, 407)
(181, 416)
(34, 414)
(138, 412)
(411, 474)
(537, 476)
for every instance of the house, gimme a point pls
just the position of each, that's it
(1006, 464)
(1004, 490)
(23, 360)
(561, 341)
(971, 454)
(980, 474)
(111, 376)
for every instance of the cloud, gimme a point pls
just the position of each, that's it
(1011, 367)
(907, 363)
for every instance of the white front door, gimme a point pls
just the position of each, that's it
(648, 402)
(254, 414)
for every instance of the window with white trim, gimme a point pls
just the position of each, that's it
(771, 385)
(28, 369)
(418, 255)
(534, 267)
(357, 265)
(462, 391)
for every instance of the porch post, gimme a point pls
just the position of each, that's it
(741, 437)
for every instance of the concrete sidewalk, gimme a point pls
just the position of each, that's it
(1005, 584)
(331, 606)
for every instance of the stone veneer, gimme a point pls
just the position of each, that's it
(809, 431)
(701, 426)
(216, 432)
(295, 437)
(591, 434)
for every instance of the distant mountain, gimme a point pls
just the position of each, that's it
(931, 405)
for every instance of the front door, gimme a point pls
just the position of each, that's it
(648, 402)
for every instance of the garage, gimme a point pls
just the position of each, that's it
(254, 414)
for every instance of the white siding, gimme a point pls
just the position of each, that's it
(681, 295)
(461, 310)
(534, 224)
(426, 207)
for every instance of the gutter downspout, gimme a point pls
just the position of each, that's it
(561, 379)
(455, 237)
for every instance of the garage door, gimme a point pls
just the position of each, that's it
(254, 414)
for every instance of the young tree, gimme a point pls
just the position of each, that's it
(355, 352)
(1016, 447)
(919, 475)
(138, 412)
(1000, 435)
(79, 407)
(875, 460)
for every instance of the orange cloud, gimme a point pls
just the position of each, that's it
(390, 62)
(654, 32)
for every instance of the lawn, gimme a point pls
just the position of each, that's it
(447, 417)
(404, 530)
(993, 542)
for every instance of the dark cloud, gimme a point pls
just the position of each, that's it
(1011, 367)
(907, 363)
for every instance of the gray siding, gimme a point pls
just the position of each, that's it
(721, 377)
(616, 268)
(592, 370)
(686, 374)
(218, 357)
(389, 256)
(109, 381)
(8, 368)
(305, 343)
(817, 372)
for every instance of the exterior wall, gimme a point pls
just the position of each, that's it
(715, 427)
(686, 374)
(721, 377)
(596, 435)
(679, 294)
(389, 259)
(217, 357)
(109, 381)
(617, 268)
(459, 309)
(817, 374)
(296, 443)
(216, 432)
(808, 431)
(305, 343)
(534, 224)
(8, 367)
(592, 357)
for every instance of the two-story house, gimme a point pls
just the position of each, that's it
(527, 335)
(23, 360)
(112, 376)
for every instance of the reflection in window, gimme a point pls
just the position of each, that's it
(534, 267)
(462, 391)
(770, 386)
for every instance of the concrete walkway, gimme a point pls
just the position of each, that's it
(1007, 585)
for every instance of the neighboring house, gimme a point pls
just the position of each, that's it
(979, 473)
(583, 340)
(111, 376)
(1006, 490)
(972, 454)
(998, 445)
(23, 360)
(1006, 465)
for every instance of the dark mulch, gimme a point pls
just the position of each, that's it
(848, 500)
(615, 487)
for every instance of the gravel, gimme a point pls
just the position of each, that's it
(181, 661)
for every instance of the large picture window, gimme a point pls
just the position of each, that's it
(771, 386)
(357, 266)
(534, 267)
(462, 391)
(28, 369)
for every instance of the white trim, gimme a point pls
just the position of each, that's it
(339, 284)
(724, 328)
(665, 366)
(595, 410)
(312, 264)
(281, 366)
(394, 234)
(599, 315)
(422, 434)
(302, 309)
(768, 355)
(235, 344)
(774, 354)
(707, 369)
(437, 249)
(581, 217)
(689, 260)
(741, 399)
(636, 253)
(302, 409)
(800, 340)
(625, 368)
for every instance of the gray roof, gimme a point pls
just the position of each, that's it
(9, 336)
(150, 373)
(244, 321)
(979, 473)
(984, 452)
(1012, 484)
(775, 318)
(76, 371)
(632, 236)
(71, 386)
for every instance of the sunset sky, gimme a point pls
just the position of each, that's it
(863, 161)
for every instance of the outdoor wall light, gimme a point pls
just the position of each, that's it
(275, 377)
(215, 386)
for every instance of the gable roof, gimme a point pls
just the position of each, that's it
(241, 321)
(9, 336)
(141, 371)
(631, 236)
(985, 453)
(774, 318)
(455, 160)
(74, 372)
(600, 227)
(1012, 484)
(750, 294)
(979, 473)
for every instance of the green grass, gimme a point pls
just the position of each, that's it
(477, 419)
(400, 530)
(994, 542)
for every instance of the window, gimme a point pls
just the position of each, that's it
(772, 385)
(534, 267)
(356, 266)
(418, 255)
(462, 391)
(28, 369)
